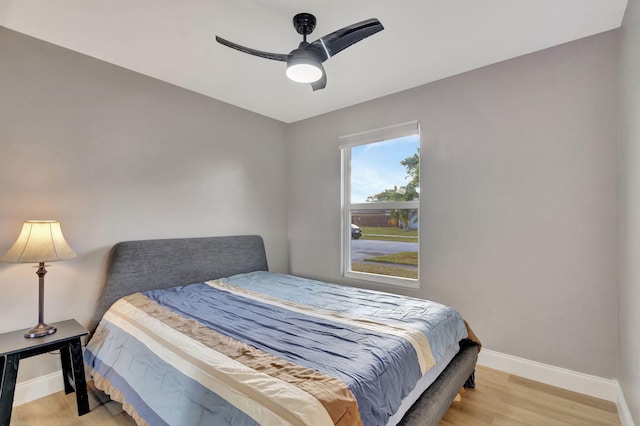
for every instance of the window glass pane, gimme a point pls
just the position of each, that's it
(385, 242)
(381, 205)
(385, 171)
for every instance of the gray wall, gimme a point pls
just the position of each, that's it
(519, 199)
(115, 156)
(629, 229)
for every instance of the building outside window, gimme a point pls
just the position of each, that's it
(381, 205)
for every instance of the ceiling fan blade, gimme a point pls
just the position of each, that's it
(337, 41)
(267, 55)
(322, 83)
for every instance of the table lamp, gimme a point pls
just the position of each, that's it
(39, 241)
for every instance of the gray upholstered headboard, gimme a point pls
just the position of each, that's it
(151, 264)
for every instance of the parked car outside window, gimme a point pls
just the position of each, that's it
(356, 232)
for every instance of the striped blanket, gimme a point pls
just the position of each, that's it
(269, 349)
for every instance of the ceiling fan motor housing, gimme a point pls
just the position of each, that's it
(304, 23)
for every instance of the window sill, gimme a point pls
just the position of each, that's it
(383, 279)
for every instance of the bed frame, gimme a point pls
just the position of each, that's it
(154, 264)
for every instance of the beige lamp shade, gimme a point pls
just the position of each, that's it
(39, 241)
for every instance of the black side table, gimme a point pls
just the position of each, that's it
(14, 347)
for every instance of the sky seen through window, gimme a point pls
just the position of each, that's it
(376, 166)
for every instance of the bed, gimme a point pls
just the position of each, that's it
(198, 331)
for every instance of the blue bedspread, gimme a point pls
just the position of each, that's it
(441, 324)
(377, 344)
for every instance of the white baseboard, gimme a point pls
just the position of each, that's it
(30, 390)
(597, 387)
(623, 408)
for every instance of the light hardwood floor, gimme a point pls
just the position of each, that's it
(499, 399)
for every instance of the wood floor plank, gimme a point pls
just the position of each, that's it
(513, 400)
(564, 394)
(570, 407)
(500, 399)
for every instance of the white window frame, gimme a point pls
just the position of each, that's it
(346, 143)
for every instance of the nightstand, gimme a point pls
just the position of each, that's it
(14, 347)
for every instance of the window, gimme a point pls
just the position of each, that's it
(381, 206)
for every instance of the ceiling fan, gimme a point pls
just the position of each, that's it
(304, 64)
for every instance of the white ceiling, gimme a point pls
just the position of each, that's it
(423, 41)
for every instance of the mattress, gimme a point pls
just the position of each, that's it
(265, 348)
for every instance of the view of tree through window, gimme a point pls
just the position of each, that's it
(383, 209)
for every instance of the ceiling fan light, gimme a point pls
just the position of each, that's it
(304, 73)
(303, 66)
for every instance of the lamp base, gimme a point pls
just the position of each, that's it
(40, 330)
